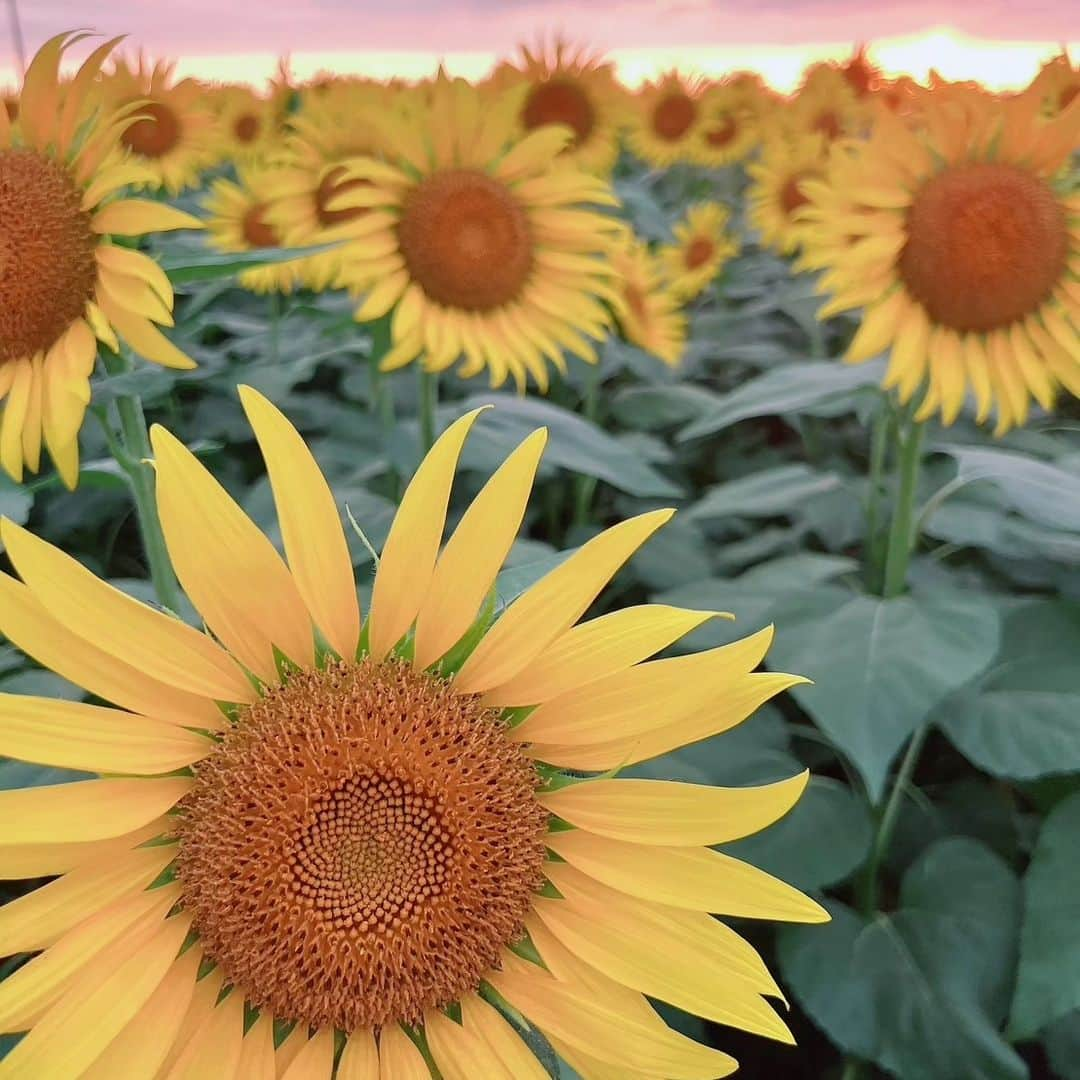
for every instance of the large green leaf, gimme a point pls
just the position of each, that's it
(821, 388)
(1021, 718)
(1061, 1041)
(920, 991)
(1048, 982)
(881, 666)
(652, 407)
(207, 265)
(775, 492)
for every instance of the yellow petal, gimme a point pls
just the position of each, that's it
(553, 604)
(133, 217)
(141, 1047)
(597, 1025)
(46, 860)
(878, 328)
(642, 698)
(34, 987)
(13, 417)
(149, 342)
(230, 570)
(459, 1054)
(673, 814)
(472, 557)
(214, 1050)
(97, 1007)
(487, 1024)
(257, 1060)
(310, 525)
(164, 647)
(315, 1061)
(399, 1059)
(408, 557)
(25, 622)
(76, 91)
(37, 919)
(687, 877)
(738, 702)
(360, 1058)
(203, 1001)
(40, 96)
(286, 1053)
(70, 735)
(85, 809)
(134, 295)
(131, 263)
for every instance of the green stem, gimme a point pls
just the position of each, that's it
(135, 441)
(852, 1070)
(901, 533)
(429, 403)
(879, 443)
(585, 486)
(274, 298)
(380, 397)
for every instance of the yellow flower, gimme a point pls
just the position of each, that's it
(650, 312)
(357, 826)
(64, 284)
(963, 246)
(1056, 86)
(237, 219)
(729, 129)
(173, 135)
(665, 118)
(702, 246)
(247, 125)
(825, 105)
(574, 88)
(776, 192)
(475, 244)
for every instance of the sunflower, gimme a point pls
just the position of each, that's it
(64, 285)
(826, 105)
(247, 125)
(962, 243)
(650, 313)
(1056, 86)
(10, 99)
(569, 87)
(728, 130)
(173, 136)
(665, 118)
(776, 191)
(237, 219)
(346, 827)
(702, 246)
(476, 245)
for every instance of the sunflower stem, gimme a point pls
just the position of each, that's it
(585, 486)
(901, 533)
(879, 445)
(380, 397)
(135, 441)
(429, 404)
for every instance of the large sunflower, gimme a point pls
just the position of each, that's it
(478, 247)
(572, 87)
(776, 192)
(702, 246)
(173, 137)
(665, 117)
(318, 830)
(650, 313)
(963, 245)
(64, 284)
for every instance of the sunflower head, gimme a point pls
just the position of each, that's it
(247, 127)
(650, 310)
(702, 246)
(777, 193)
(665, 119)
(64, 285)
(729, 129)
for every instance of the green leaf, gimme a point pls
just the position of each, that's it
(575, 444)
(919, 991)
(185, 267)
(15, 501)
(881, 666)
(767, 493)
(1061, 1040)
(1048, 981)
(650, 408)
(1021, 718)
(824, 388)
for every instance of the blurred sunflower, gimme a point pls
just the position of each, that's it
(476, 245)
(1056, 86)
(312, 821)
(728, 130)
(664, 119)
(650, 312)
(237, 219)
(963, 245)
(776, 192)
(825, 105)
(574, 88)
(10, 98)
(64, 284)
(172, 136)
(702, 246)
(247, 125)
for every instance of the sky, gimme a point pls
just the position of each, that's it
(1000, 42)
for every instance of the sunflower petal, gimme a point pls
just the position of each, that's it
(141, 334)
(459, 1054)
(360, 1058)
(257, 1059)
(216, 1050)
(315, 1061)
(399, 1059)
(134, 217)
(487, 1024)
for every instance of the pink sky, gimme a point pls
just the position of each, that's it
(229, 39)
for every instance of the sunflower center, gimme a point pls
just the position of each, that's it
(155, 134)
(330, 187)
(791, 194)
(723, 133)
(560, 101)
(47, 268)
(466, 240)
(673, 116)
(361, 846)
(246, 127)
(986, 243)
(258, 232)
(698, 252)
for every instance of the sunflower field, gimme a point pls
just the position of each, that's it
(538, 578)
